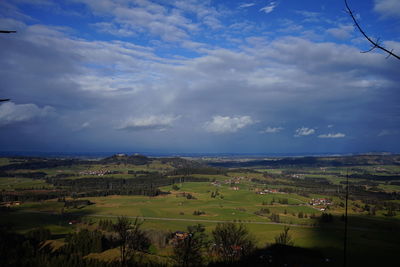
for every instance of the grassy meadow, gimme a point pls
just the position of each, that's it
(174, 212)
(226, 197)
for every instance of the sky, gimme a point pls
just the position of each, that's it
(188, 76)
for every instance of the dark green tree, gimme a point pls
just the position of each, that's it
(83, 242)
(122, 228)
(390, 212)
(275, 218)
(137, 239)
(39, 234)
(175, 187)
(326, 218)
(130, 238)
(189, 250)
(232, 241)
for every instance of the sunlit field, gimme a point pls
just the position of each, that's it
(249, 198)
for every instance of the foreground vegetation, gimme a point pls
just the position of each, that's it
(287, 211)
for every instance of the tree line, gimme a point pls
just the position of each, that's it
(229, 244)
(147, 185)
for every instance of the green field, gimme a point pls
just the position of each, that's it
(7, 183)
(174, 212)
(232, 196)
(4, 161)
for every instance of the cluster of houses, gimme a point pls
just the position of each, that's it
(100, 172)
(268, 191)
(235, 180)
(320, 202)
(216, 183)
(297, 176)
(380, 169)
(10, 203)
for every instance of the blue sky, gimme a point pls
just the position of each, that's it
(198, 76)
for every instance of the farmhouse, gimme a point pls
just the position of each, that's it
(297, 176)
(235, 180)
(100, 172)
(216, 183)
(320, 201)
(178, 236)
(10, 203)
(269, 191)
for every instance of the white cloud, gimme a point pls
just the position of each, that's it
(148, 123)
(245, 5)
(392, 46)
(173, 22)
(269, 8)
(388, 132)
(221, 124)
(304, 131)
(288, 79)
(85, 125)
(12, 113)
(332, 135)
(343, 32)
(205, 13)
(388, 8)
(111, 28)
(309, 16)
(272, 130)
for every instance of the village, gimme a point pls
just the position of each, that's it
(100, 172)
(232, 182)
(268, 191)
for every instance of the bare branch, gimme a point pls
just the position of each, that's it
(390, 54)
(374, 44)
(372, 48)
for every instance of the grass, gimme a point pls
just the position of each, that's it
(23, 222)
(4, 161)
(389, 187)
(229, 205)
(11, 183)
(368, 235)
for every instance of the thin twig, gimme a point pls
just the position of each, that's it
(372, 48)
(374, 44)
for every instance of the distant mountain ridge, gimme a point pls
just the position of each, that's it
(313, 161)
(33, 163)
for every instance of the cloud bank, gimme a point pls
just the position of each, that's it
(193, 75)
(304, 131)
(269, 8)
(387, 8)
(148, 123)
(11, 113)
(332, 135)
(221, 124)
(272, 130)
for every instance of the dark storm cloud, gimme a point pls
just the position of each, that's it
(88, 94)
